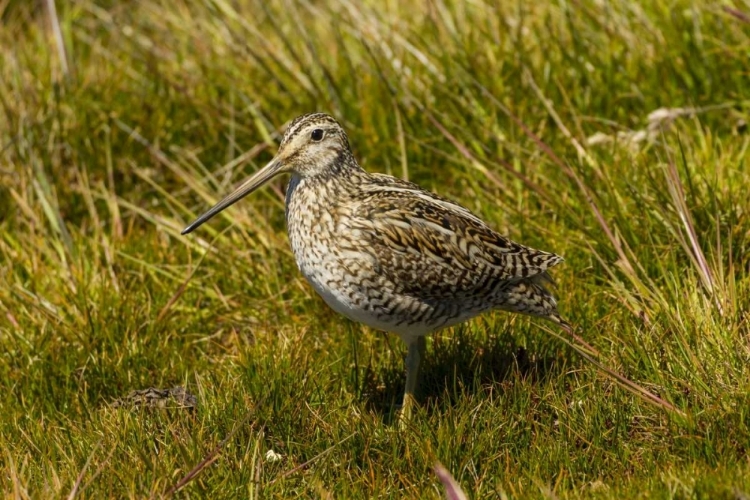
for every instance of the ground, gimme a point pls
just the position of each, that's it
(612, 133)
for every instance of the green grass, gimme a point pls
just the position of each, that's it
(162, 107)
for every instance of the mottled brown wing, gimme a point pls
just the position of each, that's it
(434, 248)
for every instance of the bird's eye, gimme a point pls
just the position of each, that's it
(317, 135)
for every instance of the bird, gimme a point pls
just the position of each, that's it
(386, 253)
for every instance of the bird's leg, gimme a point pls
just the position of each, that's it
(413, 360)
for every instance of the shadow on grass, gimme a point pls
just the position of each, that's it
(453, 367)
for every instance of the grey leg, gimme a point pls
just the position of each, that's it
(413, 360)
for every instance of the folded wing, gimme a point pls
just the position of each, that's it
(433, 248)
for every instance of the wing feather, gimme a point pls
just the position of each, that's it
(433, 248)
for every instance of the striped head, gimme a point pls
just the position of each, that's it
(313, 145)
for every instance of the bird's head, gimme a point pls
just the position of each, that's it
(313, 145)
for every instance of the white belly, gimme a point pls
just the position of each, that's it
(347, 296)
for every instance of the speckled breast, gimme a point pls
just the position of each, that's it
(340, 270)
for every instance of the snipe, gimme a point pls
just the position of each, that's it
(386, 253)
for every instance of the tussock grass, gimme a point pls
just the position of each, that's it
(613, 133)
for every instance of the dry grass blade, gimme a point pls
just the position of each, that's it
(59, 41)
(212, 456)
(313, 459)
(19, 491)
(79, 479)
(558, 121)
(736, 13)
(628, 384)
(77, 484)
(181, 289)
(692, 246)
(98, 470)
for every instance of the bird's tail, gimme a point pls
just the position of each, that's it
(530, 296)
(555, 317)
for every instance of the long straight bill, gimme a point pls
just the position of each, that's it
(258, 179)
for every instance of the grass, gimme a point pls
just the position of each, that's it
(121, 121)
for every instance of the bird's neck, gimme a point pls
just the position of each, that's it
(333, 183)
(344, 171)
